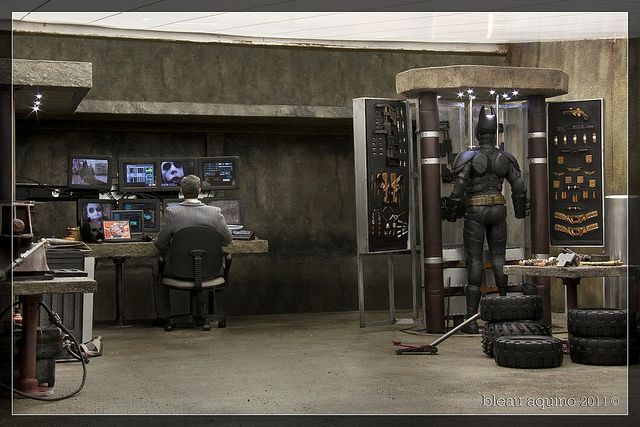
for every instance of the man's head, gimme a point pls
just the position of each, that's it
(190, 185)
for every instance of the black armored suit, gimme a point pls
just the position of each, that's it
(477, 195)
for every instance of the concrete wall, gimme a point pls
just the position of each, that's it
(296, 179)
(152, 70)
(597, 69)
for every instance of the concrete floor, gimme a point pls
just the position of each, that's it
(315, 364)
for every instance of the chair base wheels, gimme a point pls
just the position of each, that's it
(169, 325)
(222, 323)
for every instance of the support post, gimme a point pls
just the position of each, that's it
(537, 149)
(27, 381)
(431, 218)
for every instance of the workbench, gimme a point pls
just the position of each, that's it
(30, 294)
(571, 275)
(120, 251)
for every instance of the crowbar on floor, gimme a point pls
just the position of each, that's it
(431, 348)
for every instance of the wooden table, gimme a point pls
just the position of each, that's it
(30, 295)
(120, 251)
(571, 275)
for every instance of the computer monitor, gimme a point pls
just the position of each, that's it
(171, 170)
(135, 218)
(138, 174)
(90, 172)
(95, 210)
(219, 173)
(231, 209)
(150, 208)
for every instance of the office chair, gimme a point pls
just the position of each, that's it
(195, 263)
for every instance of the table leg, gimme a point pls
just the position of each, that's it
(120, 317)
(572, 291)
(27, 381)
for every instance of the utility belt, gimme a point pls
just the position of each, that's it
(575, 218)
(576, 231)
(486, 200)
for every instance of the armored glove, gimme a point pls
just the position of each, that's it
(521, 206)
(451, 209)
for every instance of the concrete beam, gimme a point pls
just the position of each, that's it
(449, 80)
(157, 110)
(63, 84)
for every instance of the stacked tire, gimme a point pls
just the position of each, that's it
(598, 336)
(513, 334)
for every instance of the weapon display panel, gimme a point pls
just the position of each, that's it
(381, 138)
(576, 187)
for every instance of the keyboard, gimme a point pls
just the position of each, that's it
(243, 234)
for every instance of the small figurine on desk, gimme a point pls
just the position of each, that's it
(477, 195)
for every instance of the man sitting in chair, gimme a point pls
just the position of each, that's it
(191, 212)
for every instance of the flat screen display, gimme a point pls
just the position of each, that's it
(116, 230)
(139, 174)
(231, 209)
(219, 172)
(90, 172)
(173, 170)
(150, 209)
(95, 210)
(135, 218)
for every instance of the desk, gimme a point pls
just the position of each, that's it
(30, 294)
(120, 251)
(571, 275)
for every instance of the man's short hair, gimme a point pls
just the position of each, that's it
(190, 185)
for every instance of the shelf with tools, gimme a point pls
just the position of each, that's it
(576, 186)
(384, 149)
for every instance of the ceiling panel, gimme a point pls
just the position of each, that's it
(462, 27)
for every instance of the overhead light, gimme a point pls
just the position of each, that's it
(38, 95)
(469, 90)
(439, 96)
(515, 92)
(36, 103)
(35, 108)
(460, 94)
(492, 92)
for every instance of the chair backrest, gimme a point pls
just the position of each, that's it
(180, 263)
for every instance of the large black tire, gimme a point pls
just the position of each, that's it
(511, 307)
(494, 330)
(604, 351)
(600, 322)
(528, 352)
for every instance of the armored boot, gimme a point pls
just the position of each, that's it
(472, 294)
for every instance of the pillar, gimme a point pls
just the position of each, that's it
(431, 218)
(538, 175)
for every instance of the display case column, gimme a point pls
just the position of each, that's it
(537, 149)
(431, 218)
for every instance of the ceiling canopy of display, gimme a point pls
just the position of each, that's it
(373, 27)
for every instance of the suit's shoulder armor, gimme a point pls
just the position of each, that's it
(462, 159)
(506, 159)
